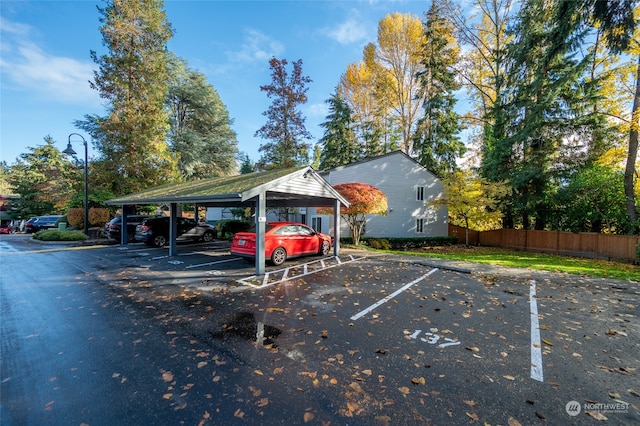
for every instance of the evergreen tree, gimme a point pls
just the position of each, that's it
(436, 142)
(339, 144)
(246, 165)
(285, 123)
(45, 180)
(201, 133)
(132, 78)
(544, 107)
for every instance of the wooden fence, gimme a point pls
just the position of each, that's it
(583, 244)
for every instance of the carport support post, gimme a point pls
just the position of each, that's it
(261, 214)
(336, 227)
(124, 238)
(173, 228)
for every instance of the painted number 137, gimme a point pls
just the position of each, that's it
(433, 339)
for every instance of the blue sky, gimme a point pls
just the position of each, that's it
(45, 64)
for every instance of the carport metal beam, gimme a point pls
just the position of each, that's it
(261, 219)
(336, 228)
(173, 229)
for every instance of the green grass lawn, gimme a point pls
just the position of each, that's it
(540, 261)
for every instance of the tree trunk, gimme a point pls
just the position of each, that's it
(629, 173)
(466, 231)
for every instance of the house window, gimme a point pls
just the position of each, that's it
(419, 226)
(316, 223)
(420, 193)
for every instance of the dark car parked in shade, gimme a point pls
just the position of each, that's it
(41, 223)
(155, 231)
(113, 228)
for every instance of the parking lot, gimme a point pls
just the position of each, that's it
(402, 336)
(369, 338)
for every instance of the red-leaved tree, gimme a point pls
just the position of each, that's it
(364, 199)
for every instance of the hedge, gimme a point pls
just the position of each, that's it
(55, 235)
(231, 226)
(403, 243)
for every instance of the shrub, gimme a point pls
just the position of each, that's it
(405, 243)
(231, 226)
(98, 216)
(55, 235)
(380, 244)
(75, 217)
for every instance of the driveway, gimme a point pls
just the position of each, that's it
(377, 339)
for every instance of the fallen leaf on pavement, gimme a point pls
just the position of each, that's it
(418, 381)
(472, 416)
(513, 422)
(597, 415)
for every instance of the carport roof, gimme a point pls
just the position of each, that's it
(294, 187)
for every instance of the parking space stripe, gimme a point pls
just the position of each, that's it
(536, 348)
(391, 296)
(264, 282)
(213, 263)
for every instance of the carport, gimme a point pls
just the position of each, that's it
(294, 187)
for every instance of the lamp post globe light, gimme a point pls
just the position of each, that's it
(70, 151)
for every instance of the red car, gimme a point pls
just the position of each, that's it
(283, 240)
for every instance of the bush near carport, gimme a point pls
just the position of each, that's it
(55, 235)
(403, 243)
(227, 227)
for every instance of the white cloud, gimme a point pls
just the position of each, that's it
(26, 66)
(256, 47)
(318, 110)
(348, 32)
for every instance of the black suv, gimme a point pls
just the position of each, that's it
(155, 231)
(113, 227)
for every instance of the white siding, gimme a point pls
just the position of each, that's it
(398, 177)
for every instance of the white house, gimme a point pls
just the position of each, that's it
(407, 185)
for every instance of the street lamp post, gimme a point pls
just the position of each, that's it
(70, 151)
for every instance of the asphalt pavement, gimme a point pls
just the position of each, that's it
(127, 335)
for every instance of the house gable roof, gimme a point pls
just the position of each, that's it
(378, 157)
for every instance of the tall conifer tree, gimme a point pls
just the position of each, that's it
(132, 78)
(339, 144)
(436, 141)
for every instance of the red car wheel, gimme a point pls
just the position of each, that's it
(278, 256)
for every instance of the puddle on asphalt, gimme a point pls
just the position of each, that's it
(244, 325)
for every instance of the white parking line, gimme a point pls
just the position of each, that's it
(536, 349)
(250, 281)
(391, 296)
(213, 263)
